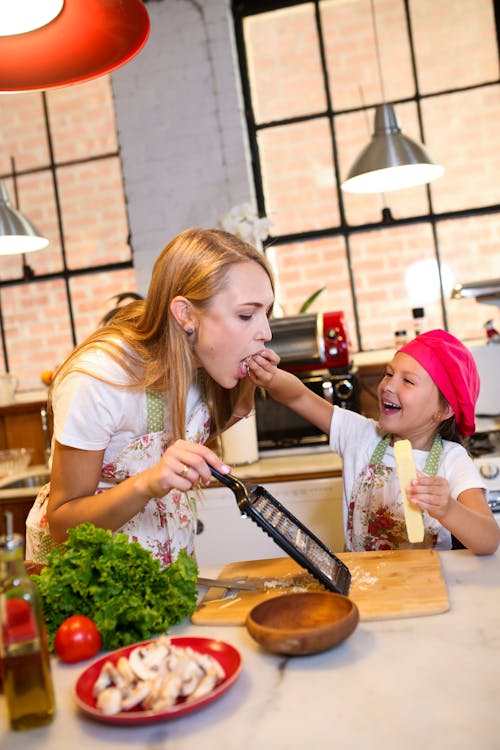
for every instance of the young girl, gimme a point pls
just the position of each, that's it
(428, 396)
(134, 404)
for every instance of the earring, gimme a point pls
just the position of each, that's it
(189, 331)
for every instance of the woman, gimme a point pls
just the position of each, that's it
(136, 402)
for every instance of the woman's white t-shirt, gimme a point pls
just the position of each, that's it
(93, 415)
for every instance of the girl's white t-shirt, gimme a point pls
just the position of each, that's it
(354, 437)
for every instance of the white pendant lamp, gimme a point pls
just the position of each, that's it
(17, 234)
(391, 161)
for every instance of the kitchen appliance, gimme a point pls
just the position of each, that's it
(485, 450)
(487, 359)
(484, 445)
(289, 533)
(316, 348)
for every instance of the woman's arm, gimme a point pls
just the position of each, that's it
(75, 477)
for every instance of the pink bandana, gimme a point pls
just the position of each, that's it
(452, 368)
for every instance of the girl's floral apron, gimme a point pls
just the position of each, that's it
(375, 519)
(165, 525)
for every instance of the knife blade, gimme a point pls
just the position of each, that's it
(229, 583)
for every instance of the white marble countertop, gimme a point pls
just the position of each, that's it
(427, 682)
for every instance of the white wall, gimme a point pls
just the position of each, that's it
(180, 126)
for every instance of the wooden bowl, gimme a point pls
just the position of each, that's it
(302, 623)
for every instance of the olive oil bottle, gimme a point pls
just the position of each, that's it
(25, 661)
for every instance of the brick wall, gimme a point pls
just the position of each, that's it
(180, 127)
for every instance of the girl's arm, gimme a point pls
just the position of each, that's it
(469, 517)
(289, 390)
(75, 477)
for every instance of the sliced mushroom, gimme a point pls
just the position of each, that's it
(135, 695)
(148, 661)
(109, 701)
(125, 670)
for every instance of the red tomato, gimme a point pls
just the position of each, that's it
(77, 638)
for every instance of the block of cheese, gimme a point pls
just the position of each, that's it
(405, 466)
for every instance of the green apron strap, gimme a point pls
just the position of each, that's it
(431, 464)
(379, 451)
(155, 409)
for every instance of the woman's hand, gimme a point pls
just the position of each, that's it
(75, 477)
(182, 466)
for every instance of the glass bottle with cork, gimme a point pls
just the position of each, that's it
(25, 660)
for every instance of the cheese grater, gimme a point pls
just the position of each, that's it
(289, 533)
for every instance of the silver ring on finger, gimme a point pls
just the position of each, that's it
(185, 470)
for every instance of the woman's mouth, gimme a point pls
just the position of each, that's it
(242, 369)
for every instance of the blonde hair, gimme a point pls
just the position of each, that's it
(146, 340)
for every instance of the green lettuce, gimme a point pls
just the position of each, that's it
(118, 584)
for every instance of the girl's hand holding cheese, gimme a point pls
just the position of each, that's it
(431, 494)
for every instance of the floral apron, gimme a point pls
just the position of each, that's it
(165, 525)
(375, 519)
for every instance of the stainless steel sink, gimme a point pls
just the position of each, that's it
(25, 480)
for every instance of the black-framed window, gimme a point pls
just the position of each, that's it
(60, 162)
(310, 82)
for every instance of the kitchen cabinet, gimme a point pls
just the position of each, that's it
(21, 427)
(19, 506)
(225, 536)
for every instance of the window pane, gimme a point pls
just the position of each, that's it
(303, 267)
(470, 248)
(380, 260)
(37, 329)
(92, 297)
(298, 177)
(94, 217)
(37, 204)
(351, 52)
(284, 63)
(353, 133)
(455, 43)
(22, 132)
(82, 120)
(465, 134)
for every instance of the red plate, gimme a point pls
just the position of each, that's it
(227, 656)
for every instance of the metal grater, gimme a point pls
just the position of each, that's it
(289, 533)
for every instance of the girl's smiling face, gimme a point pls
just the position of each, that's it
(410, 403)
(235, 326)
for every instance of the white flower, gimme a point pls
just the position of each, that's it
(242, 221)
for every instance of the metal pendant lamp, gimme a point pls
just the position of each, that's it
(17, 234)
(84, 40)
(391, 161)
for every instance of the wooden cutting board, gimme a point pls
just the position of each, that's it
(384, 585)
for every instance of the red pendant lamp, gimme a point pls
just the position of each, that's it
(87, 39)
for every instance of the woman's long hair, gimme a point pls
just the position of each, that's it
(147, 341)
